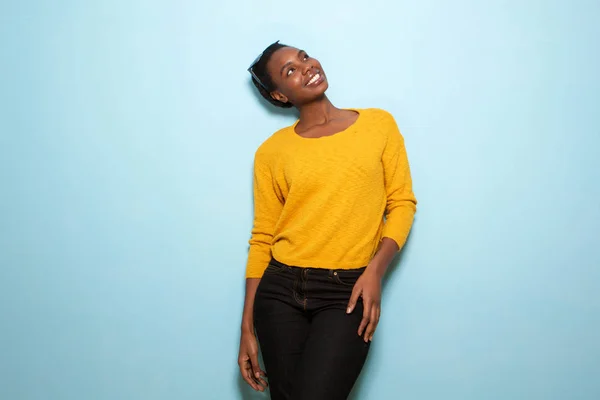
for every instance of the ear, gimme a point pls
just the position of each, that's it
(279, 97)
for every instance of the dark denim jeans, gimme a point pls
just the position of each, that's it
(310, 346)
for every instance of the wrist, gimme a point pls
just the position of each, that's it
(377, 269)
(247, 328)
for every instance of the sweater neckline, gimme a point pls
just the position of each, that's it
(292, 129)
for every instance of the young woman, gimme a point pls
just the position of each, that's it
(333, 204)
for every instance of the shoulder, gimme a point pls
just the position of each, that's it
(273, 145)
(380, 123)
(377, 115)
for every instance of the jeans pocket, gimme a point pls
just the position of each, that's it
(273, 269)
(347, 277)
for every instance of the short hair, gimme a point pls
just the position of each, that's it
(262, 79)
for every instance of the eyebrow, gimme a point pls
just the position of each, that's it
(290, 62)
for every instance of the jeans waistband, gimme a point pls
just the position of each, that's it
(294, 268)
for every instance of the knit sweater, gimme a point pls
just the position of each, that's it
(327, 202)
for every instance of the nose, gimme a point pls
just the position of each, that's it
(306, 67)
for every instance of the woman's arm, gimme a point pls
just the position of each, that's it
(399, 214)
(401, 203)
(267, 209)
(247, 315)
(368, 287)
(384, 256)
(248, 356)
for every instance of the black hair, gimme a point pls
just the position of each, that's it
(260, 70)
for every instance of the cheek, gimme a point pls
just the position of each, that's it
(291, 86)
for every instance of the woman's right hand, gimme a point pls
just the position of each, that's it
(248, 362)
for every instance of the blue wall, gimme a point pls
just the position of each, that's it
(127, 132)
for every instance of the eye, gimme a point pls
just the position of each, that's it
(305, 57)
(290, 71)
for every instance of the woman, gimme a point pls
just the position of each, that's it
(333, 204)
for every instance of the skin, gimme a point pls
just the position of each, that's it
(290, 69)
(248, 356)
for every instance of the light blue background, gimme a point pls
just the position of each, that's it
(127, 136)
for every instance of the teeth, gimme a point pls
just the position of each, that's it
(314, 79)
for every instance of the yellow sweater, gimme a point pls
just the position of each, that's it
(321, 202)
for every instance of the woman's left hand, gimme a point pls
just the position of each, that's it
(368, 286)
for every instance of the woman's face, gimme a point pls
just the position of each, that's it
(299, 78)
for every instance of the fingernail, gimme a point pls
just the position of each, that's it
(348, 310)
(257, 375)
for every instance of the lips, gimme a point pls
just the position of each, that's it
(315, 79)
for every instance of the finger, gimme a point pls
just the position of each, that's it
(369, 328)
(254, 384)
(372, 323)
(356, 292)
(262, 382)
(247, 375)
(255, 366)
(366, 317)
(259, 378)
(378, 318)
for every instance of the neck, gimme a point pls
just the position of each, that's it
(318, 112)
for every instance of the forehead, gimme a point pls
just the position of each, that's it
(282, 56)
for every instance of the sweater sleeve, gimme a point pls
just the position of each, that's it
(401, 202)
(267, 209)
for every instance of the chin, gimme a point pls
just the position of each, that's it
(309, 95)
(325, 87)
(320, 92)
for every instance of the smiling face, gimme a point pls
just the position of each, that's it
(299, 78)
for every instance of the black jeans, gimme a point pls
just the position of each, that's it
(310, 346)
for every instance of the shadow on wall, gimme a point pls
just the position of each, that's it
(393, 269)
(247, 393)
